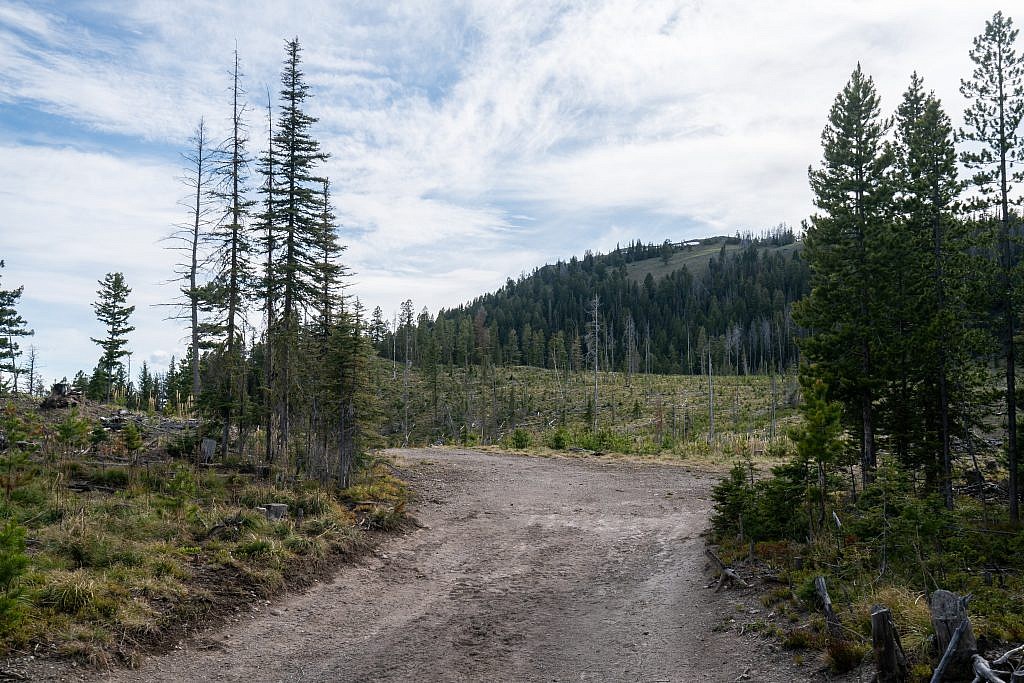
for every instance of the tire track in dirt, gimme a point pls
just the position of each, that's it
(529, 569)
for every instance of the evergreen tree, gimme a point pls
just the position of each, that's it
(819, 439)
(113, 312)
(12, 327)
(297, 212)
(993, 118)
(843, 246)
(329, 271)
(932, 345)
(268, 286)
(146, 387)
(378, 330)
(13, 562)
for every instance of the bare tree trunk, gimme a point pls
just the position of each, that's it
(711, 400)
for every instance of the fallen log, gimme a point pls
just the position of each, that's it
(831, 619)
(890, 661)
(1007, 655)
(725, 574)
(984, 672)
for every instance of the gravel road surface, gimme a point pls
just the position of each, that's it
(527, 569)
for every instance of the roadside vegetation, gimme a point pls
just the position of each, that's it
(904, 479)
(247, 465)
(119, 537)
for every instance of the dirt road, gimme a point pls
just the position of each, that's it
(530, 569)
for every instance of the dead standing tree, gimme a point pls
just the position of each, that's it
(199, 178)
(593, 348)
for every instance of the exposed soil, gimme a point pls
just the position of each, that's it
(527, 569)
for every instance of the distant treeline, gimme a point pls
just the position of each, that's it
(731, 306)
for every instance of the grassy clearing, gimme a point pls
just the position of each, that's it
(127, 549)
(528, 408)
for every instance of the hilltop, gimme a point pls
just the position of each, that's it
(672, 307)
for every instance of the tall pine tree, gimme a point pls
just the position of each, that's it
(842, 246)
(993, 118)
(231, 244)
(932, 347)
(297, 218)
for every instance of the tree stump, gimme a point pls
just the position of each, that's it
(276, 511)
(890, 661)
(206, 449)
(949, 611)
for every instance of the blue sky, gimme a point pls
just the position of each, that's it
(469, 141)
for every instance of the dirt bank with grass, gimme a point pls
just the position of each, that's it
(527, 569)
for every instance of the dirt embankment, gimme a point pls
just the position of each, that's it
(528, 569)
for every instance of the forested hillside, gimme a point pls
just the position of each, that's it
(668, 308)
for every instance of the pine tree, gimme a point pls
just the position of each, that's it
(113, 312)
(297, 212)
(329, 271)
(378, 329)
(842, 246)
(818, 439)
(12, 327)
(993, 118)
(934, 243)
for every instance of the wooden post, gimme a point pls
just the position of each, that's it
(207, 449)
(890, 662)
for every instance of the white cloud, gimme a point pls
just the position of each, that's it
(69, 218)
(470, 140)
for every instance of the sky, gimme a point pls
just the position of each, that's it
(469, 141)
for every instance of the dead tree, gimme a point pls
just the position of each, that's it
(726, 575)
(831, 618)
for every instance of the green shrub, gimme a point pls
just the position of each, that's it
(32, 494)
(13, 561)
(312, 504)
(520, 438)
(131, 437)
(733, 500)
(300, 545)
(386, 518)
(183, 445)
(558, 439)
(254, 547)
(114, 477)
